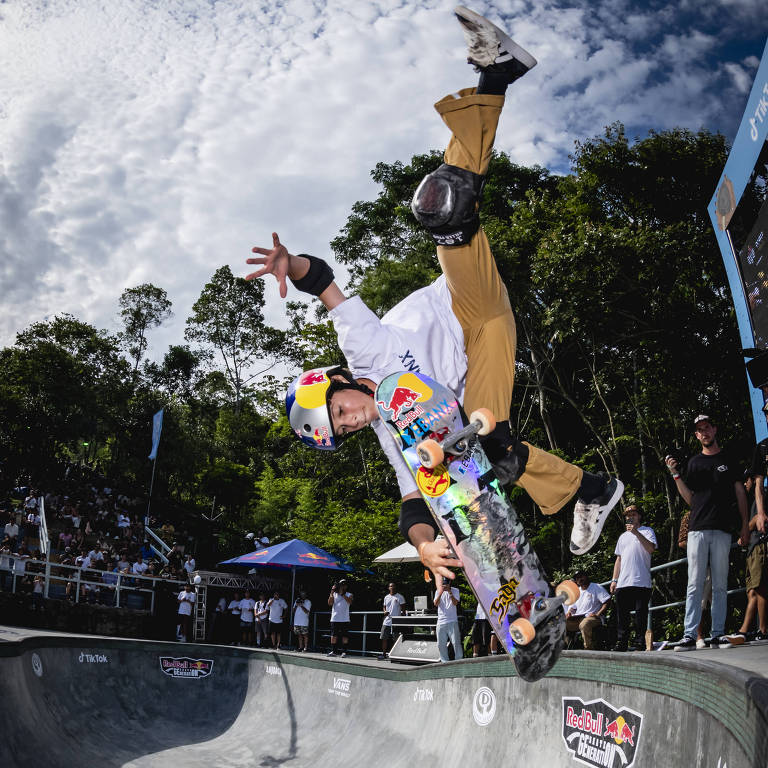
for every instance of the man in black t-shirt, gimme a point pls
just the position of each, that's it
(713, 489)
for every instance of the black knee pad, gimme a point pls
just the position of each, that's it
(447, 202)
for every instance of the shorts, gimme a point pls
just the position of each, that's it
(756, 567)
(300, 629)
(246, 624)
(340, 629)
(386, 632)
(481, 632)
(275, 628)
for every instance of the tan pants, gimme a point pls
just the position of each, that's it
(481, 302)
(586, 625)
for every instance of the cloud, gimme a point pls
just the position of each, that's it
(145, 142)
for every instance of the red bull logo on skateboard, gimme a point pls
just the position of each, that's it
(598, 734)
(433, 482)
(408, 391)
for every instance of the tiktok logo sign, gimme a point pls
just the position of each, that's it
(484, 706)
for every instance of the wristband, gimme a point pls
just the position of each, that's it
(614, 581)
(318, 277)
(676, 477)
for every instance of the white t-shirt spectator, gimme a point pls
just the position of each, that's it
(446, 610)
(95, 554)
(20, 565)
(5, 559)
(189, 565)
(11, 530)
(186, 601)
(123, 521)
(76, 520)
(277, 609)
(340, 608)
(590, 600)
(247, 605)
(393, 604)
(301, 614)
(221, 606)
(234, 607)
(140, 567)
(33, 521)
(30, 502)
(480, 613)
(261, 611)
(635, 561)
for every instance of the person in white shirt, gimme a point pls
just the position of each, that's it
(234, 619)
(139, 567)
(277, 608)
(483, 637)
(301, 608)
(631, 583)
(394, 605)
(186, 600)
(460, 330)
(12, 531)
(339, 602)
(446, 600)
(587, 612)
(189, 564)
(261, 621)
(247, 604)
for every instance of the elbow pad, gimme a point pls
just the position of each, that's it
(317, 279)
(413, 511)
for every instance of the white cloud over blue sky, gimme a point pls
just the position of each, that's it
(154, 141)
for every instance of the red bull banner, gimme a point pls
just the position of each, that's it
(598, 734)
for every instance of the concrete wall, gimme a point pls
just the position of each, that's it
(80, 701)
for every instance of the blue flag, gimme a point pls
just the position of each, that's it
(157, 428)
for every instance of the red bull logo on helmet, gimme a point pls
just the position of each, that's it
(597, 733)
(311, 389)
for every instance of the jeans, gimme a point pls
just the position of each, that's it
(446, 632)
(707, 548)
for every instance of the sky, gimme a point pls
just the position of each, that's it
(152, 142)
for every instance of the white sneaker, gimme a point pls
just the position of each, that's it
(488, 45)
(700, 644)
(589, 517)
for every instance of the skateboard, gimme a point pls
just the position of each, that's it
(453, 474)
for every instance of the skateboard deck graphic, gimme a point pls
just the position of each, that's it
(475, 517)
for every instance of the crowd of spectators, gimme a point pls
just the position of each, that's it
(97, 536)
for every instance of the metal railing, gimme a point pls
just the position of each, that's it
(17, 571)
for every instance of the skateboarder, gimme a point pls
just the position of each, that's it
(460, 330)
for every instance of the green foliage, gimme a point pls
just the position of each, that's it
(625, 329)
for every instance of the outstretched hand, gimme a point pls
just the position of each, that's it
(276, 262)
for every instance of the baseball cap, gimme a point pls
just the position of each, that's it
(702, 417)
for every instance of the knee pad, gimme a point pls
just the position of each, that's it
(447, 203)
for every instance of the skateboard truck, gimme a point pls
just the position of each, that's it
(536, 609)
(432, 452)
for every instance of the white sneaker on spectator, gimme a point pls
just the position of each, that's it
(700, 644)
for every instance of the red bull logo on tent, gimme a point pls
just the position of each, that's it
(598, 734)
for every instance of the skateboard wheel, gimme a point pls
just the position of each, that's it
(486, 418)
(570, 590)
(522, 631)
(430, 453)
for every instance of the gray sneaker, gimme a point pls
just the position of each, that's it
(589, 517)
(686, 644)
(490, 48)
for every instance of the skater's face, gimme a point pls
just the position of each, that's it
(351, 410)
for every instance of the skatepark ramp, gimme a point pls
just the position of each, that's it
(68, 701)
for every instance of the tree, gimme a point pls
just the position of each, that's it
(141, 308)
(229, 318)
